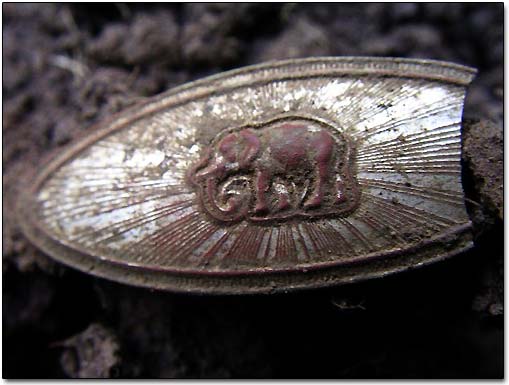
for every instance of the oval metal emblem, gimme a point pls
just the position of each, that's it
(280, 176)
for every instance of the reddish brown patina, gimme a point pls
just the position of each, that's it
(278, 170)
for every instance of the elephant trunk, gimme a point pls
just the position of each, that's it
(234, 209)
(213, 170)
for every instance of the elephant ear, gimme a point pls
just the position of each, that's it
(228, 146)
(251, 149)
(118, 203)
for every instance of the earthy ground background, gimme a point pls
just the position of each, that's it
(65, 67)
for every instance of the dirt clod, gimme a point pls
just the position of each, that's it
(90, 354)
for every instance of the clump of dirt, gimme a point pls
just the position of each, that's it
(90, 354)
(482, 146)
(65, 67)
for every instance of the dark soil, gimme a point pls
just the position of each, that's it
(66, 67)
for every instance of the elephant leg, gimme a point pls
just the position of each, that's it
(317, 197)
(324, 146)
(262, 186)
(283, 201)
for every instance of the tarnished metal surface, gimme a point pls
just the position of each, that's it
(285, 175)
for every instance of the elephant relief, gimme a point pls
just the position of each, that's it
(283, 169)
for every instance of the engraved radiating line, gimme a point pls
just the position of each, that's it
(169, 187)
(132, 223)
(382, 206)
(111, 184)
(302, 242)
(246, 246)
(390, 220)
(398, 218)
(400, 154)
(432, 144)
(423, 217)
(329, 234)
(434, 194)
(424, 110)
(407, 162)
(99, 170)
(284, 244)
(315, 240)
(182, 116)
(147, 245)
(383, 162)
(393, 97)
(80, 193)
(325, 239)
(357, 233)
(431, 169)
(104, 180)
(185, 249)
(335, 238)
(252, 243)
(181, 243)
(272, 90)
(383, 95)
(128, 145)
(171, 230)
(195, 239)
(330, 110)
(376, 90)
(279, 244)
(75, 202)
(290, 240)
(78, 202)
(112, 205)
(396, 145)
(95, 175)
(95, 206)
(213, 250)
(393, 123)
(248, 241)
(267, 248)
(232, 251)
(242, 245)
(105, 169)
(259, 240)
(96, 191)
(446, 153)
(380, 227)
(352, 86)
(451, 128)
(395, 216)
(430, 138)
(173, 238)
(111, 194)
(410, 162)
(150, 215)
(379, 222)
(114, 184)
(330, 242)
(354, 92)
